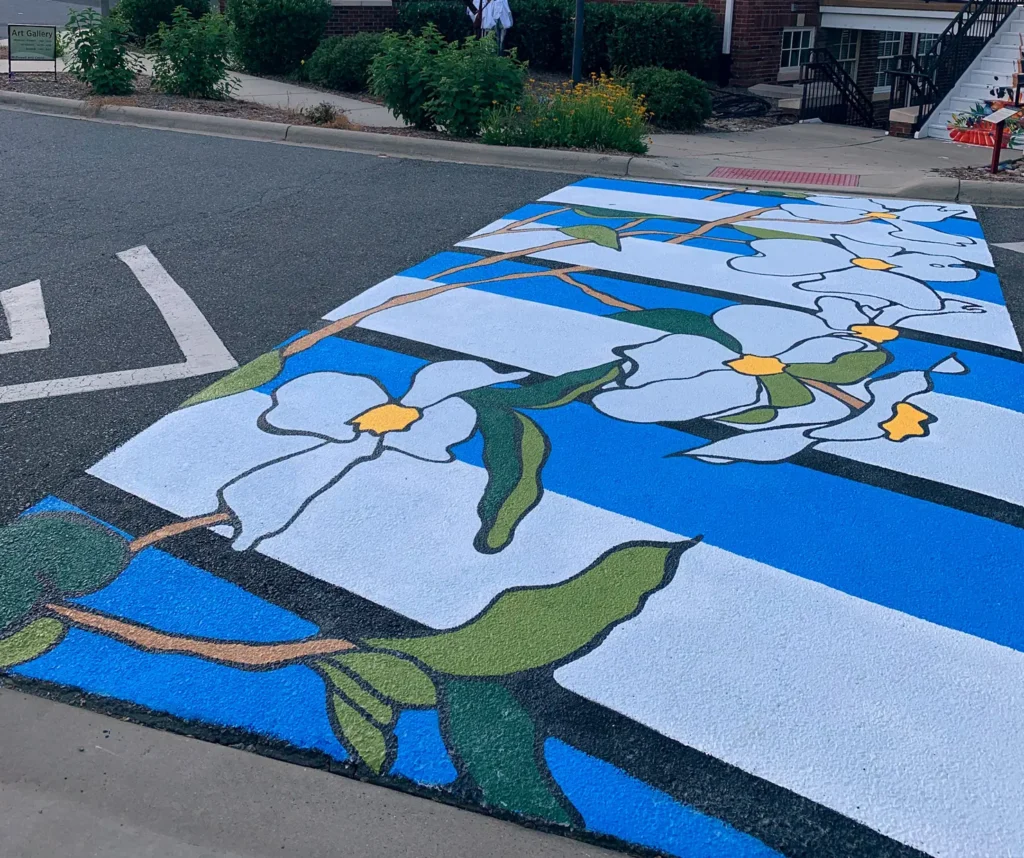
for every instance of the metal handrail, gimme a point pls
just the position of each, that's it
(957, 47)
(830, 94)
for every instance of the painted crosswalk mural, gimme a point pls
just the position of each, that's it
(680, 517)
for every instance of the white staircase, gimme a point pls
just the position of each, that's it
(994, 67)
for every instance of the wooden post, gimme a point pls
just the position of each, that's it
(998, 148)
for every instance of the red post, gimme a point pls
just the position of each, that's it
(997, 150)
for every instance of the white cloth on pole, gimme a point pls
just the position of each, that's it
(495, 12)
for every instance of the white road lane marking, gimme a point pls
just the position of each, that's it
(203, 350)
(26, 318)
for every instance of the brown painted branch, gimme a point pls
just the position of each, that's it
(169, 530)
(244, 655)
(504, 257)
(835, 393)
(514, 227)
(725, 221)
(718, 196)
(313, 337)
(604, 298)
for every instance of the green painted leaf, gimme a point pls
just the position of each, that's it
(396, 678)
(19, 587)
(30, 642)
(73, 554)
(758, 232)
(845, 369)
(550, 393)
(498, 746)
(536, 626)
(784, 391)
(614, 214)
(353, 691)
(365, 739)
(595, 232)
(675, 321)
(751, 417)
(515, 450)
(251, 375)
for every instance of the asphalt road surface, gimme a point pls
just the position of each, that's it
(263, 239)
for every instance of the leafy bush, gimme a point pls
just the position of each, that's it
(662, 34)
(449, 16)
(191, 56)
(144, 17)
(429, 82)
(97, 52)
(470, 79)
(597, 114)
(323, 113)
(537, 33)
(401, 74)
(275, 36)
(675, 99)
(343, 62)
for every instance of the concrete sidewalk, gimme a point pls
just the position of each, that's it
(881, 162)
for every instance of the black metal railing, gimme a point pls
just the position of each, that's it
(830, 94)
(923, 82)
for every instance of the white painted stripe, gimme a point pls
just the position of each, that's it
(607, 198)
(532, 336)
(1015, 246)
(203, 350)
(913, 729)
(26, 318)
(970, 445)
(687, 265)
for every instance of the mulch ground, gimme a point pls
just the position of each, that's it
(145, 96)
(1013, 173)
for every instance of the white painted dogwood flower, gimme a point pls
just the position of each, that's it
(683, 376)
(846, 209)
(888, 413)
(357, 421)
(876, 275)
(880, 324)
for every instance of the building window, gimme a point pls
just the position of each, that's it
(890, 46)
(924, 43)
(847, 51)
(796, 48)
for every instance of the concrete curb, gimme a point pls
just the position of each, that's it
(422, 148)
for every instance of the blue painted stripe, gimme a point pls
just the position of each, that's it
(422, 756)
(984, 287)
(634, 187)
(995, 380)
(950, 567)
(614, 803)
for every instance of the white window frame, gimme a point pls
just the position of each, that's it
(793, 71)
(931, 39)
(886, 62)
(849, 63)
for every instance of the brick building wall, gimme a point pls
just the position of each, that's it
(361, 17)
(757, 34)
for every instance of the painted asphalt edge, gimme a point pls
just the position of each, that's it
(421, 148)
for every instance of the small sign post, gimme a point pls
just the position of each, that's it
(998, 119)
(33, 43)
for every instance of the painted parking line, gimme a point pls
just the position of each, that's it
(683, 516)
(203, 350)
(26, 318)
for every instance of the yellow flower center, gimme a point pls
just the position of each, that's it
(386, 418)
(881, 215)
(907, 421)
(754, 365)
(872, 264)
(875, 333)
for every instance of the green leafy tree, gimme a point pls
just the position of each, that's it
(275, 36)
(144, 17)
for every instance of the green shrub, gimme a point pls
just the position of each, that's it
(663, 34)
(470, 79)
(144, 17)
(275, 36)
(597, 114)
(675, 99)
(191, 56)
(97, 52)
(343, 62)
(537, 33)
(449, 16)
(401, 74)
(429, 82)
